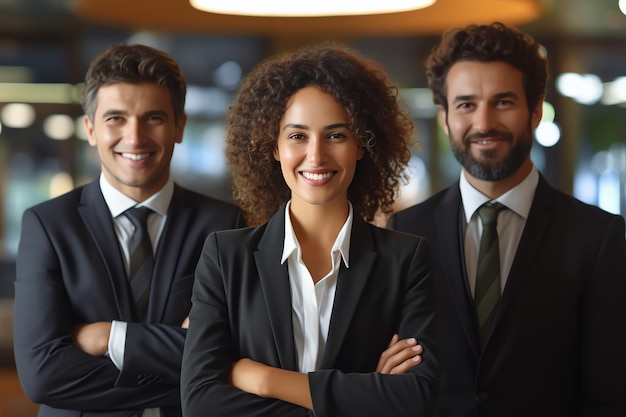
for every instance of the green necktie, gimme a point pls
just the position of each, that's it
(487, 291)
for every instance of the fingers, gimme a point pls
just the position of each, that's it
(412, 357)
(400, 356)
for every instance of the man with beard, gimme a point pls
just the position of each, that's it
(535, 327)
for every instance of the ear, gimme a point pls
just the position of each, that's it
(537, 114)
(443, 113)
(180, 129)
(276, 154)
(360, 153)
(89, 129)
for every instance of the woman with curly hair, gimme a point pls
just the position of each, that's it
(293, 316)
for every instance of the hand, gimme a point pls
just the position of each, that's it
(400, 356)
(248, 376)
(92, 338)
(185, 324)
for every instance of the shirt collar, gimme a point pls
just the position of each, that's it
(119, 202)
(518, 199)
(342, 243)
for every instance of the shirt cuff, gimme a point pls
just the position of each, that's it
(117, 342)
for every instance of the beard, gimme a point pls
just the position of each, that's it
(489, 167)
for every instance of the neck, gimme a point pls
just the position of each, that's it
(320, 223)
(316, 228)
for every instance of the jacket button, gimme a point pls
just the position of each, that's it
(482, 397)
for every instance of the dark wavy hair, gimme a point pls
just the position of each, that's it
(134, 64)
(488, 43)
(376, 114)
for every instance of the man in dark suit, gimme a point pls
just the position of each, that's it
(86, 342)
(547, 337)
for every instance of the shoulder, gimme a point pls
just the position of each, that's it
(235, 243)
(60, 205)
(570, 209)
(387, 240)
(184, 197)
(405, 218)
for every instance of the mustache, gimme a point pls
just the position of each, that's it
(490, 134)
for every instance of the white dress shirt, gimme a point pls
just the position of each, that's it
(312, 304)
(118, 203)
(511, 223)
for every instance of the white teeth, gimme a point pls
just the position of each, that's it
(135, 156)
(317, 177)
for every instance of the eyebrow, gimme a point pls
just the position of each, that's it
(115, 112)
(498, 96)
(305, 127)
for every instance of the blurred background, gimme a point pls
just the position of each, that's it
(46, 47)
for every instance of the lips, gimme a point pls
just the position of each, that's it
(488, 138)
(485, 141)
(135, 156)
(317, 176)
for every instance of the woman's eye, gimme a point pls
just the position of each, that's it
(337, 136)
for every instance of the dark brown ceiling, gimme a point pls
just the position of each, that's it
(178, 15)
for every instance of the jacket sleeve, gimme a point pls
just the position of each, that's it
(51, 370)
(208, 353)
(411, 394)
(602, 329)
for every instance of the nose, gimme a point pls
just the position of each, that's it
(133, 130)
(316, 150)
(484, 119)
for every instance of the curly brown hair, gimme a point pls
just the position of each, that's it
(488, 43)
(376, 114)
(120, 63)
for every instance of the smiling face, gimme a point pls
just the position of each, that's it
(317, 151)
(488, 120)
(134, 131)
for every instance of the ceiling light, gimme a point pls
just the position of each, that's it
(285, 8)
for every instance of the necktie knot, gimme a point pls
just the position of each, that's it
(488, 212)
(138, 216)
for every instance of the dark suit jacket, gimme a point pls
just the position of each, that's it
(242, 308)
(559, 339)
(70, 270)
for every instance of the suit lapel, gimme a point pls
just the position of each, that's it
(274, 279)
(451, 249)
(539, 218)
(97, 218)
(167, 254)
(351, 283)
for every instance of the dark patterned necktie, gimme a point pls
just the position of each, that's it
(487, 292)
(141, 259)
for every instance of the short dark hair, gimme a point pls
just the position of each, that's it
(488, 43)
(121, 63)
(376, 116)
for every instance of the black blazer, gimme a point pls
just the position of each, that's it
(558, 344)
(70, 270)
(242, 308)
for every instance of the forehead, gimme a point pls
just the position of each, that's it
(483, 79)
(131, 95)
(313, 104)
